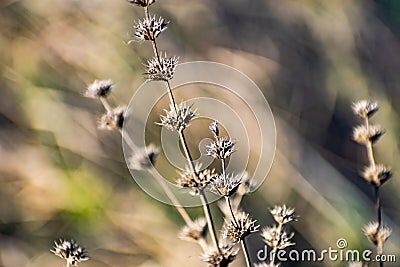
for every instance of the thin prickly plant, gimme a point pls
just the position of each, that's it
(376, 174)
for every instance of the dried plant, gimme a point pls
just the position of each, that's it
(375, 174)
(70, 251)
(276, 236)
(222, 250)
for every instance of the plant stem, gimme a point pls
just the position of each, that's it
(245, 252)
(275, 249)
(210, 223)
(378, 205)
(68, 264)
(187, 152)
(370, 150)
(106, 105)
(228, 203)
(185, 216)
(371, 158)
(189, 158)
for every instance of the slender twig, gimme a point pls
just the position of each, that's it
(371, 158)
(182, 138)
(106, 105)
(229, 205)
(245, 252)
(370, 150)
(210, 223)
(275, 249)
(185, 216)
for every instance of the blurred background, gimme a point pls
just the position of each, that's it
(62, 177)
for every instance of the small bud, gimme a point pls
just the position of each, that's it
(143, 158)
(69, 251)
(225, 184)
(161, 69)
(142, 3)
(365, 109)
(363, 134)
(150, 29)
(113, 120)
(99, 88)
(377, 175)
(214, 128)
(244, 227)
(178, 117)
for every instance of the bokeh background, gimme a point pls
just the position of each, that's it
(62, 177)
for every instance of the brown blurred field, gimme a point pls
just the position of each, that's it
(62, 177)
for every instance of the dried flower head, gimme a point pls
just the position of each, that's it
(377, 175)
(196, 182)
(377, 235)
(143, 158)
(239, 229)
(142, 3)
(363, 135)
(161, 69)
(276, 238)
(221, 148)
(225, 184)
(247, 185)
(178, 117)
(365, 108)
(216, 259)
(99, 88)
(113, 120)
(149, 29)
(195, 231)
(70, 251)
(214, 128)
(283, 214)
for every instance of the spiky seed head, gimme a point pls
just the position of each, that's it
(143, 158)
(363, 135)
(277, 239)
(365, 109)
(113, 120)
(195, 231)
(221, 148)
(214, 128)
(283, 214)
(178, 117)
(225, 184)
(150, 29)
(244, 227)
(161, 69)
(377, 234)
(142, 3)
(247, 185)
(376, 175)
(99, 88)
(197, 181)
(69, 251)
(384, 233)
(216, 259)
(371, 231)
